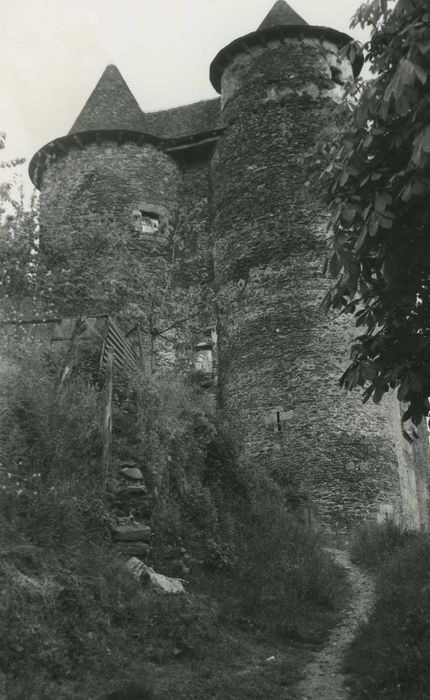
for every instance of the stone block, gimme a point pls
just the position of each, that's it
(161, 583)
(132, 532)
(135, 549)
(134, 490)
(132, 473)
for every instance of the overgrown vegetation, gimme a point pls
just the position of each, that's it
(390, 656)
(74, 620)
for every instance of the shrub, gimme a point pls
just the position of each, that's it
(373, 543)
(282, 568)
(390, 655)
(42, 430)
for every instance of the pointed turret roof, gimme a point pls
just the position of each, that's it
(281, 14)
(110, 106)
(282, 21)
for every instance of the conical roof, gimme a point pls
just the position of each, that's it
(111, 106)
(281, 14)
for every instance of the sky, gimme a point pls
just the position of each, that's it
(52, 53)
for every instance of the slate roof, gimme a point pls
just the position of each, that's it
(281, 13)
(179, 122)
(110, 106)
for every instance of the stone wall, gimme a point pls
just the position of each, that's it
(279, 358)
(195, 262)
(412, 448)
(111, 177)
(251, 246)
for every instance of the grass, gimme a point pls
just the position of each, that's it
(75, 624)
(390, 655)
(261, 592)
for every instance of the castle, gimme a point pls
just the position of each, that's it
(231, 164)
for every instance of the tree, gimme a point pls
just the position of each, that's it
(375, 178)
(96, 263)
(18, 241)
(84, 262)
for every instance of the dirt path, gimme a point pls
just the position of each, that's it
(324, 679)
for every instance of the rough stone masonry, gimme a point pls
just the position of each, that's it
(231, 166)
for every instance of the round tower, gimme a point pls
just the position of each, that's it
(107, 169)
(279, 358)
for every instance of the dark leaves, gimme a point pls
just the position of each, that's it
(376, 184)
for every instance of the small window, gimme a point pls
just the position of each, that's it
(203, 358)
(146, 221)
(336, 75)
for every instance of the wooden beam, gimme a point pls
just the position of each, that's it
(193, 144)
(107, 422)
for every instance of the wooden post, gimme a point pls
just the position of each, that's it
(68, 361)
(107, 421)
(139, 337)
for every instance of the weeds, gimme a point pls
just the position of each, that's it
(373, 544)
(390, 656)
(73, 618)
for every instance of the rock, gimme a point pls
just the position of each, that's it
(134, 490)
(164, 583)
(132, 532)
(159, 582)
(135, 549)
(132, 473)
(136, 567)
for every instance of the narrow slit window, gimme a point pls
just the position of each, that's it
(277, 418)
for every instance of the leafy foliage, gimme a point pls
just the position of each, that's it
(43, 430)
(375, 178)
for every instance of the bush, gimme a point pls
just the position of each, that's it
(390, 656)
(282, 569)
(373, 544)
(71, 610)
(82, 615)
(42, 430)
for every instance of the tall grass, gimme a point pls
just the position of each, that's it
(71, 616)
(390, 656)
(373, 544)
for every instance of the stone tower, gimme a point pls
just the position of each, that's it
(108, 166)
(254, 240)
(279, 358)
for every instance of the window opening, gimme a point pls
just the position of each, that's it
(146, 221)
(203, 358)
(336, 75)
(277, 418)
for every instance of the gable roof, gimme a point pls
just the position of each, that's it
(110, 106)
(280, 14)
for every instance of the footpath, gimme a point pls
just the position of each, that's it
(324, 679)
